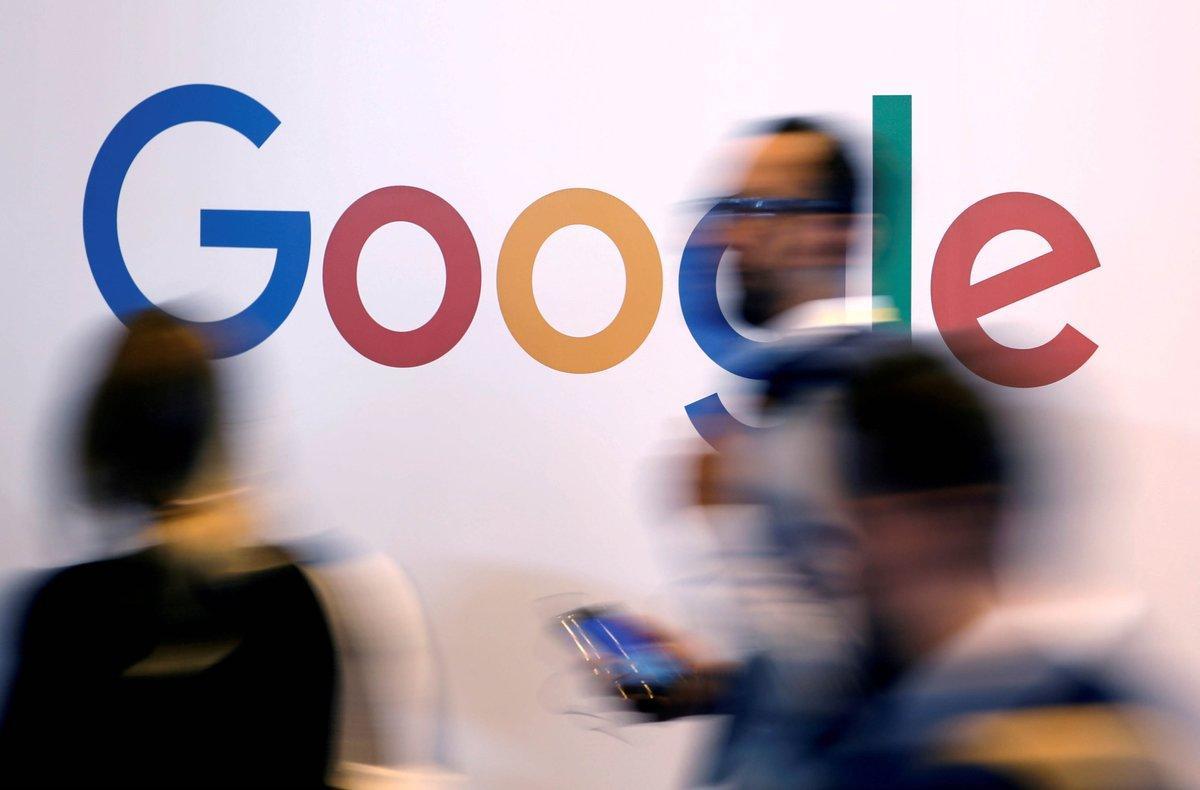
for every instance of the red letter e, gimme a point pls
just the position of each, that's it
(958, 305)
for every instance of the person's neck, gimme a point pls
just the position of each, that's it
(936, 611)
(207, 523)
(809, 295)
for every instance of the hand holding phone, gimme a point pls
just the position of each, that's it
(643, 666)
(619, 649)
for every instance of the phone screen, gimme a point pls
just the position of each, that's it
(622, 649)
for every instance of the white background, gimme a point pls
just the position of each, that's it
(493, 479)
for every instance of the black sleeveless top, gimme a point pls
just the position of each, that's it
(136, 672)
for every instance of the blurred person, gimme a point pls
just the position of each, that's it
(954, 690)
(789, 226)
(204, 658)
(783, 551)
(947, 687)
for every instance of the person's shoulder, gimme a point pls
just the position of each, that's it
(797, 368)
(79, 598)
(1042, 715)
(1088, 729)
(96, 578)
(274, 575)
(1022, 719)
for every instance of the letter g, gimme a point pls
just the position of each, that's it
(287, 232)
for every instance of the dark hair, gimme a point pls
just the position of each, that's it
(841, 182)
(153, 413)
(915, 426)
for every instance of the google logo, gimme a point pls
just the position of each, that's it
(958, 304)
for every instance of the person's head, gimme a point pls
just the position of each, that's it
(791, 218)
(152, 417)
(926, 475)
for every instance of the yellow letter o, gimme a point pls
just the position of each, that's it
(643, 280)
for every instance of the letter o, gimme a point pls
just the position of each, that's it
(459, 301)
(643, 280)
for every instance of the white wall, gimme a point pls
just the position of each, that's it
(496, 480)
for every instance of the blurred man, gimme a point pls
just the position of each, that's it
(786, 553)
(952, 692)
(790, 225)
(945, 688)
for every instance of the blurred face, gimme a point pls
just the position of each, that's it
(917, 540)
(785, 259)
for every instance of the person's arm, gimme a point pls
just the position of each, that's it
(389, 701)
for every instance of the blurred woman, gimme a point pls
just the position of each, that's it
(204, 658)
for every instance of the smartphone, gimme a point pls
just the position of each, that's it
(619, 650)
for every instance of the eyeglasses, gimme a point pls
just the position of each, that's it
(760, 207)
